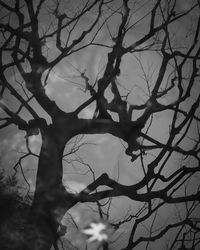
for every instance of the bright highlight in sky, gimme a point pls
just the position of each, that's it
(96, 232)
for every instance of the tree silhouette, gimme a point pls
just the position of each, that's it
(36, 39)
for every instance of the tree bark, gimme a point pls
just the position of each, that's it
(48, 206)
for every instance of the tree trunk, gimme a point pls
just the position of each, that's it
(48, 206)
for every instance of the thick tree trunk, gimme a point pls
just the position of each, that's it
(47, 208)
(50, 203)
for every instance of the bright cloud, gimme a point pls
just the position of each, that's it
(74, 186)
(35, 143)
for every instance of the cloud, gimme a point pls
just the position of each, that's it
(100, 139)
(48, 90)
(35, 143)
(75, 215)
(87, 113)
(74, 186)
(17, 142)
(54, 78)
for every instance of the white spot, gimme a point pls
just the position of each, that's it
(96, 232)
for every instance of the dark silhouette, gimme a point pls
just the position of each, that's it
(37, 35)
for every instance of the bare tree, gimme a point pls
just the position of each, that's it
(36, 39)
